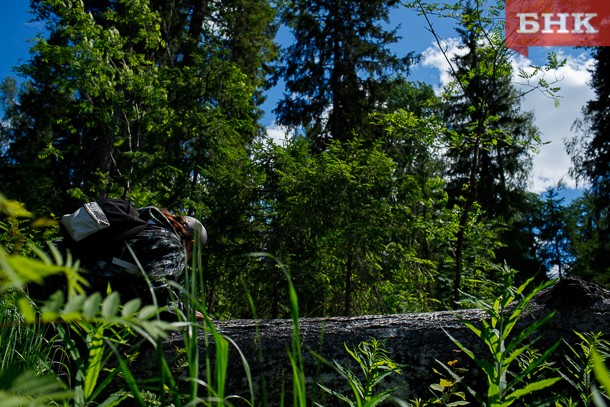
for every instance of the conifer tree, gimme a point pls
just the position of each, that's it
(590, 154)
(554, 233)
(594, 161)
(339, 67)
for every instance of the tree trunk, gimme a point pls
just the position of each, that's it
(464, 219)
(418, 341)
(349, 272)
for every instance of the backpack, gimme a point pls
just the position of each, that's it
(97, 228)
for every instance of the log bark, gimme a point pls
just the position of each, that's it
(417, 341)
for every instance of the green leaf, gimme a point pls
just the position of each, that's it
(131, 307)
(116, 399)
(601, 371)
(21, 270)
(74, 304)
(533, 365)
(92, 305)
(30, 389)
(111, 304)
(376, 399)
(26, 310)
(95, 361)
(13, 209)
(530, 388)
(147, 312)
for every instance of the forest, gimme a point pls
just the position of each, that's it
(388, 197)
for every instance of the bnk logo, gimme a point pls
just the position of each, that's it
(557, 23)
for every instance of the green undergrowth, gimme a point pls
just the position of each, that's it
(77, 349)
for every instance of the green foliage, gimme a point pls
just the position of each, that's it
(590, 150)
(602, 374)
(89, 327)
(547, 87)
(18, 228)
(579, 366)
(555, 247)
(507, 385)
(375, 365)
(446, 391)
(489, 139)
(159, 101)
(140, 99)
(18, 389)
(338, 69)
(26, 375)
(101, 324)
(356, 235)
(94, 337)
(588, 235)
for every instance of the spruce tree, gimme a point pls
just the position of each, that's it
(555, 248)
(338, 68)
(590, 155)
(595, 160)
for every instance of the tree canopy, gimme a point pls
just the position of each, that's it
(388, 197)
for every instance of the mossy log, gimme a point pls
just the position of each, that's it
(419, 342)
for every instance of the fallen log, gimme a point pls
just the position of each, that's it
(419, 342)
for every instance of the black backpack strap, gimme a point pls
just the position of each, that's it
(129, 267)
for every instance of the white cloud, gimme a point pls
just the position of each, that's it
(435, 58)
(278, 134)
(552, 163)
(555, 123)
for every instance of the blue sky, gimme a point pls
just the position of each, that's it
(551, 164)
(15, 31)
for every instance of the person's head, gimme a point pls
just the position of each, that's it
(195, 230)
(190, 231)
